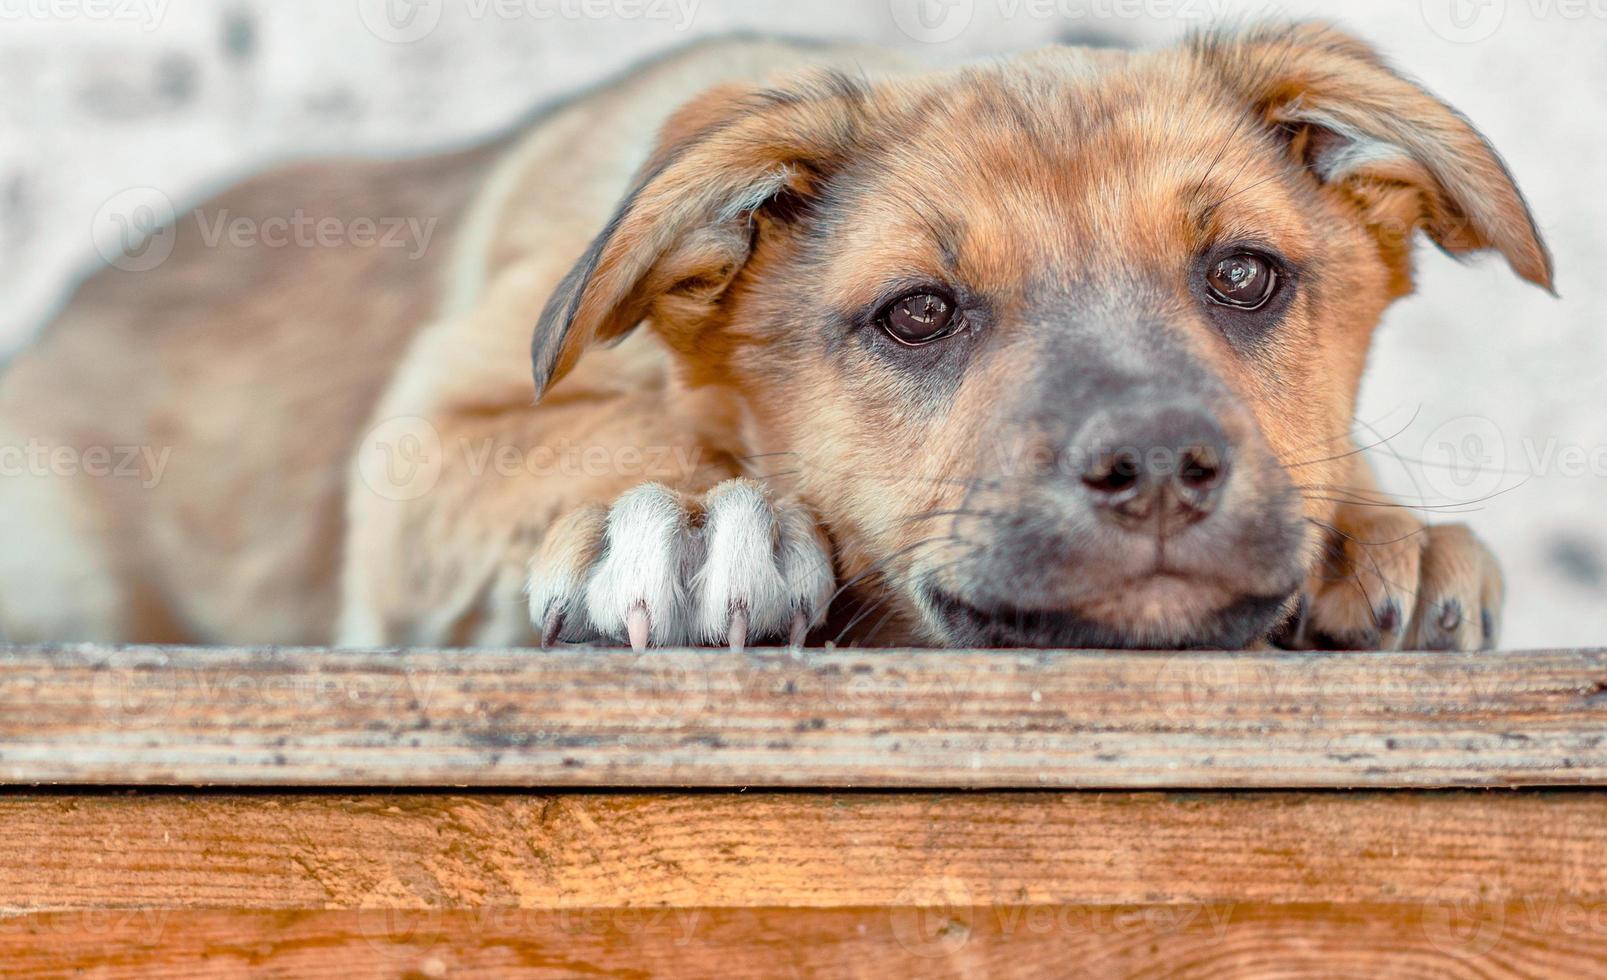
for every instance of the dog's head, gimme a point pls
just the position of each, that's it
(1064, 350)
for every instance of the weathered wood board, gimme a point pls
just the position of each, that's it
(770, 718)
(840, 813)
(1443, 884)
(1485, 942)
(67, 851)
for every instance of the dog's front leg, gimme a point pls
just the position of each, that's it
(655, 562)
(1386, 580)
(478, 518)
(444, 515)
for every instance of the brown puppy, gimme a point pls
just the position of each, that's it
(1060, 350)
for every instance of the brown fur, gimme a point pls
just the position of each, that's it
(1062, 188)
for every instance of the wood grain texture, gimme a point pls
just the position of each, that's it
(1395, 940)
(769, 718)
(263, 852)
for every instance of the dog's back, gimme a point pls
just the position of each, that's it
(225, 389)
(183, 435)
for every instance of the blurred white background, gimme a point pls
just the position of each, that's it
(1492, 395)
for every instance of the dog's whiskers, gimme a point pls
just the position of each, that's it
(1365, 544)
(885, 599)
(877, 566)
(957, 512)
(1384, 440)
(808, 466)
(1366, 498)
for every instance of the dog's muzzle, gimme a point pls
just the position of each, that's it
(1153, 529)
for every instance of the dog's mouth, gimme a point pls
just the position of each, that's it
(1234, 625)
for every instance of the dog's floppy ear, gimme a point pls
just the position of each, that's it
(1406, 159)
(687, 227)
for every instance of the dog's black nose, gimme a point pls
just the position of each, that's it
(1157, 470)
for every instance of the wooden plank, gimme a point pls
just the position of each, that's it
(771, 718)
(265, 852)
(1248, 940)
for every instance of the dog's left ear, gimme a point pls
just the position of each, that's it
(1405, 159)
(688, 227)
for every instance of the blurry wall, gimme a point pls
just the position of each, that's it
(1488, 398)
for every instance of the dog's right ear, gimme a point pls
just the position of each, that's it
(1403, 158)
(687, 227)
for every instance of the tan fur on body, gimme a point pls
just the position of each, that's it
(751, 211)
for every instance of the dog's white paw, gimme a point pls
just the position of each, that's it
(666, 569)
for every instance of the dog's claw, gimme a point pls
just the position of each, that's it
(551, 628)
(1450, 619)
(638, 624)
(800, 630)
(662, 568)
(1426, 588)
(1389, 618)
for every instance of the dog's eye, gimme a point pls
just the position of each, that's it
(1244, 281)
(920, 318)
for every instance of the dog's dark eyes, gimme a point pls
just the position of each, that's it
(920, 318)
(1244, 280)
